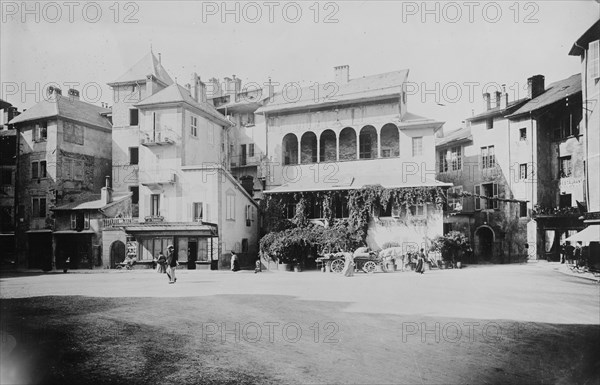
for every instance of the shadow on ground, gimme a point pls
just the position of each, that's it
(233, 339)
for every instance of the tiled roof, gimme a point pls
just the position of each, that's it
(556, 91)
(179, 94)
(390, 179)
(65, 107)
(497, 111)
(148, 65)
(463, 134)
(590, 35)
(91, 202)
(4, 104)
(366, 88)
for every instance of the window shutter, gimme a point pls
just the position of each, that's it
(495, 194)
(190, 211)
(477, 199)
(86, 220)
(73, 221)
(206, 213)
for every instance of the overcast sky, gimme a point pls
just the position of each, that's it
(471, 44)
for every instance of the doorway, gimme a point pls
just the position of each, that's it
(485, 244)
(117, 253)
(192, 254)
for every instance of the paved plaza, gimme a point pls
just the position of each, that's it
(482, 324)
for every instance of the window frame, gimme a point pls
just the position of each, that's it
(133, 150)
(523, 134)
(133, 117)
(417, 140)
(40, 207)
(561, 168)
(154, 205)
(194, 126)
(197, 207)
(230, 206)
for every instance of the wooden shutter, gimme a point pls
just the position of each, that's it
(477, 199)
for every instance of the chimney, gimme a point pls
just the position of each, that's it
(198, 90)
(214, 89)
(498, 97)
(535, 86)
(504, 98)
(73, 93)
(106, 192)
(54, 91)
(486, 99)
(151, 87)
(342, 74)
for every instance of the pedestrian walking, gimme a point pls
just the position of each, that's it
(420, 262)
(66, 265)
(348, 270)
(171, 263)
(257, 266)
(235, 264)
(161, 263)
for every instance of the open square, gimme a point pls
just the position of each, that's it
(487, 324)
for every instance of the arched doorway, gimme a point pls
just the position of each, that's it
(368, 143)
(484, 244)
(390, 141)
(290, 149)
(308, 148)
(117, 253)
(328, 146)
(348, 144)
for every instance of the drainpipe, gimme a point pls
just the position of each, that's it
(16, 195)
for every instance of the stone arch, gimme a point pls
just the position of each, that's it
(308, 148)
(348, 144)
(484, 243)
(117, 253)
(328, 146)
(368, 143)
(290, 149)
(390, 141)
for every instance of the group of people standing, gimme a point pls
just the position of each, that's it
(572, 254)
(167, 264)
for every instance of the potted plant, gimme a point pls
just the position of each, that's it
(452, 246)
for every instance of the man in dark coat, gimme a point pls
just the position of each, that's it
(171, 263)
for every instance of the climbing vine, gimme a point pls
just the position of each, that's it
(298, 233)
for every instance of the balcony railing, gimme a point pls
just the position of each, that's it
(157, 177)
(545, 211)
(157, 138)
(115, 222)
(243, 161)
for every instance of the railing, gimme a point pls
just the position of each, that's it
(157, 137)
(115, 222)
(555, 211)
(241, 161)
(157, 177)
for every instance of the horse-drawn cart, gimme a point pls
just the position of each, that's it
(364, 260)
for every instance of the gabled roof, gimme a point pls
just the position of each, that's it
(497, 111)
(556, 91)
(375, 87)
(582, 43)
(148, 65)
(458, 136)
(91, 202)
(65, 107)
(179, 94)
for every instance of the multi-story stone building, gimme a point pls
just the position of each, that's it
(8, 168)
(517, 171)
(64, 154)
(349, 134)
(587, 47)
(187, 197)
(247, 138)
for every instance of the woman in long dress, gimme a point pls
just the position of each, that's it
(420, 263)
(348, 270)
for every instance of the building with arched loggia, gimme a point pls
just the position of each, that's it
(352, 133)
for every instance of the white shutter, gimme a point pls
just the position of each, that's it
(495, 194)
(477, 199)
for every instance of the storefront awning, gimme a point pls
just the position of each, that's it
(173, 228)
(589, 234)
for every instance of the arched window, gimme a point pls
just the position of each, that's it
(348, 144)
(290, 149)
(328, 146)
(390, 141)
(368, 142)
(308, 148)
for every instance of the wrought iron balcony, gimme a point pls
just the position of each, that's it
(157, 138)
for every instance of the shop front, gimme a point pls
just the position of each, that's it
(196, 244)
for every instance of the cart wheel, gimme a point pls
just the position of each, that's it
(369, 267)
(337, 265)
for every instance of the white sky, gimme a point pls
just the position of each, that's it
(370, 36)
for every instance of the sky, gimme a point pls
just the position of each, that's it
(454, 51)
